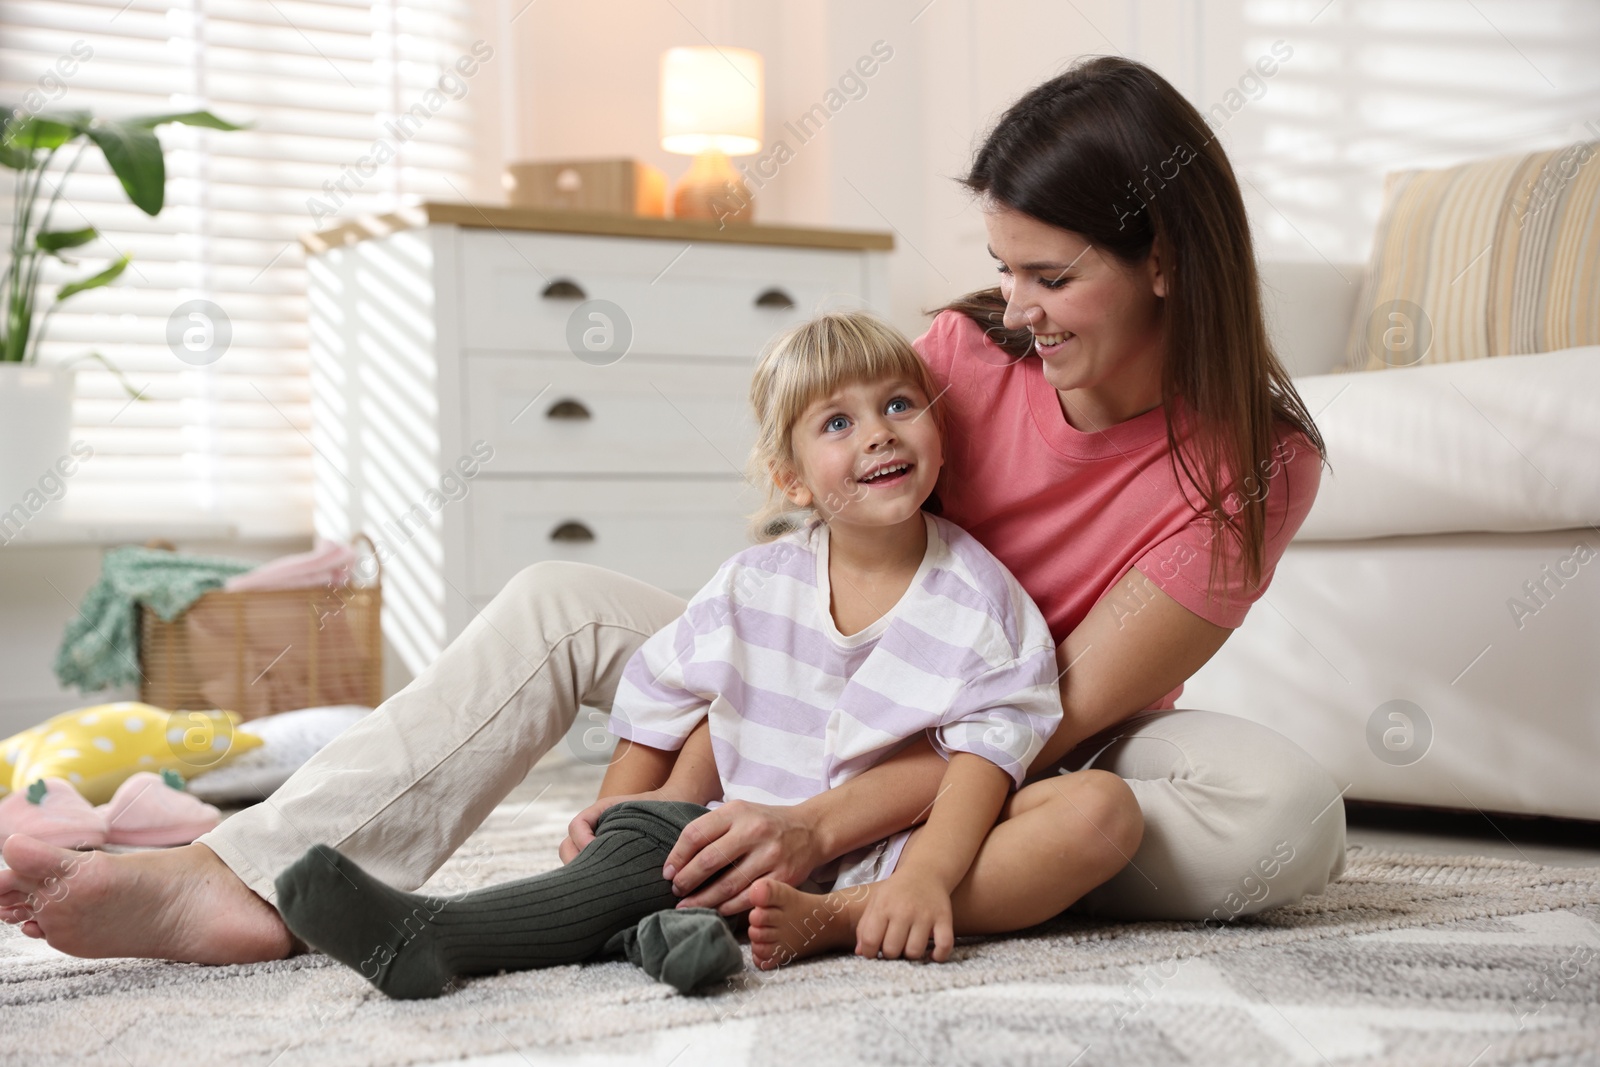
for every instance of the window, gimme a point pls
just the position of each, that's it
(1380, 85)
(352, 108)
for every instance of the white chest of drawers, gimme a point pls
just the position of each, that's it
(466, 419)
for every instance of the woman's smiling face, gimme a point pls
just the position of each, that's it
(1096, 322)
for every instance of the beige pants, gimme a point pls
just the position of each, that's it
(1237, 817)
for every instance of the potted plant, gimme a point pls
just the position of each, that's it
(36, 400)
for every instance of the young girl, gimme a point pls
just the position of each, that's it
(808, 659)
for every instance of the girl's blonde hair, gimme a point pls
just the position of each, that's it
(804, 363)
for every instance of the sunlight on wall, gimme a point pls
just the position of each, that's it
(1380, 85)
(377, 459)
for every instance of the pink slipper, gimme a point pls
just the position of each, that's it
(55, 813)
(145, 810)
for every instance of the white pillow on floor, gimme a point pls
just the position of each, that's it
(288, 739)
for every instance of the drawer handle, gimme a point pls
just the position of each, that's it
(572, 532)
(564, 289)
(775, 298)
(567, 408)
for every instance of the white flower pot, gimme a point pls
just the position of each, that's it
(35, 433)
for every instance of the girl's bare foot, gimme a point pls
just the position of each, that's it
(180, 904)
(787, 924)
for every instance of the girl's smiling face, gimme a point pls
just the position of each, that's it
(866, 454)
(1095, 321)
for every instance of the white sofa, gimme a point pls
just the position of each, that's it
(1390, 644)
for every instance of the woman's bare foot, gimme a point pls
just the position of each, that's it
(787, 924)
(180, 904)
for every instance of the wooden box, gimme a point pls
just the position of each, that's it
(602, 186)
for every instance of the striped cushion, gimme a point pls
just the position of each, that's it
(1495, 258)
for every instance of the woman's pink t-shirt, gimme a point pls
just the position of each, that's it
(1071, 512)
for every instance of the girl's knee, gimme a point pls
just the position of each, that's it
(1118, 808)
(1106, 803)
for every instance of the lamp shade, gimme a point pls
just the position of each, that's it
(711, 99)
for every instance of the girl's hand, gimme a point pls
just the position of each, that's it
(580, 831)
(902, 916)
(752, 841)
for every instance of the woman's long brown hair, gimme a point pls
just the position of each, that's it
(1112, 152)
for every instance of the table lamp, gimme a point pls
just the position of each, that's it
(711, 109)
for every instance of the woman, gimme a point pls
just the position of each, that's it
(1121, 437)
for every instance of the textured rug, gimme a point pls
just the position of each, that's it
(1416, 960)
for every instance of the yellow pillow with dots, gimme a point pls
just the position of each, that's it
(98, 748)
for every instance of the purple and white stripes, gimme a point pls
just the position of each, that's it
(797, 708)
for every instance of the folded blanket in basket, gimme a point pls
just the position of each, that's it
(328, 563)
(99, 647)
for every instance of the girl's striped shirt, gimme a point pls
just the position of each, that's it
(797, 708)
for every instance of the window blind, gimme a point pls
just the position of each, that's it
(353, 107)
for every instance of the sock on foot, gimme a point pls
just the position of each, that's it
(411, 945)
(684, 947)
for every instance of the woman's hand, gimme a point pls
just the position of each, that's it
(580, 831)
(752, 841)
(688, 774)
(902, 916)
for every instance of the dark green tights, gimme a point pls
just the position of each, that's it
(610, 898)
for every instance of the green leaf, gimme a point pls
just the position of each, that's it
(45, 131)
(36, 792)
(135, 157)
(173, 778)
(122, 379)
(14, 157)
(94, 281)
(59, 239)
(187, 118)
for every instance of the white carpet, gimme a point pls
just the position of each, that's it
(1409, 959)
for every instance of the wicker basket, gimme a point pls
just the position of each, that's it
(257, 653)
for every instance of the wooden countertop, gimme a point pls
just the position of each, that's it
(521, 218)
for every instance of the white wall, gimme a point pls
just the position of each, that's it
(1371, 85)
